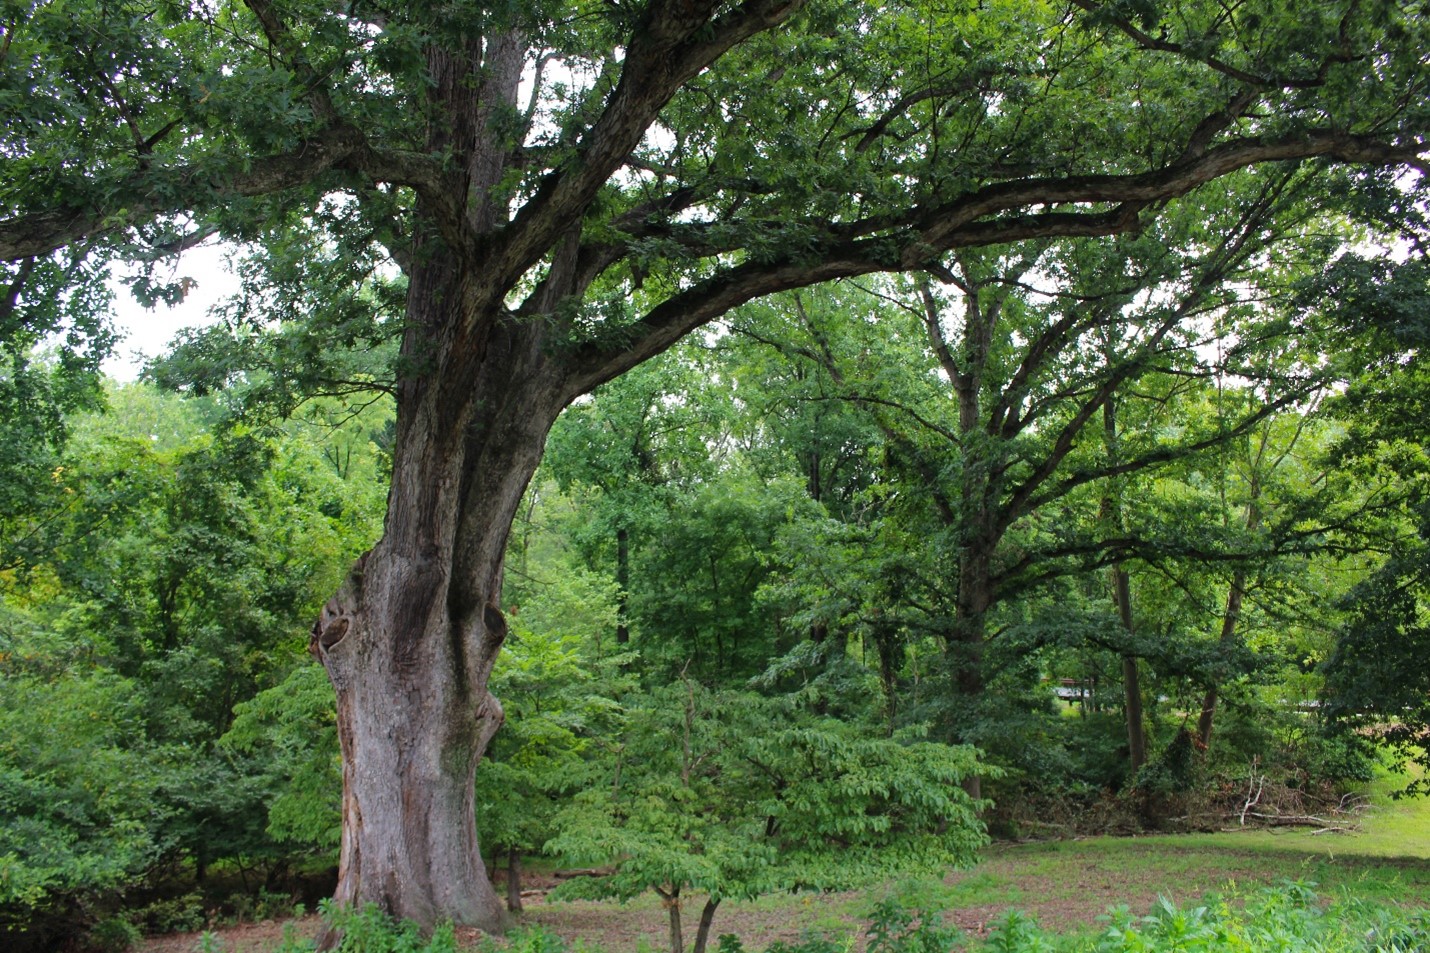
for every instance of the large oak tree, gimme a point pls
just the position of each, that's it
(567, 188)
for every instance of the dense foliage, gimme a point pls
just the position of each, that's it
(141, 629)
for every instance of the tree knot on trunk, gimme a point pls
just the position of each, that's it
(336, 617)
(495, 632)
(495, 623)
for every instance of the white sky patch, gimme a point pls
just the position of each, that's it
(148, 332)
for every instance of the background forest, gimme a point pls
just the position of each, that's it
(1079, 534)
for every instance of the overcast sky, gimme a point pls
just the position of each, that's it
(148, 331)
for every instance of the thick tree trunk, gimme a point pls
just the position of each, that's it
(409, 640)
(975, 596)
(411, 737)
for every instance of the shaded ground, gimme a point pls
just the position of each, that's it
(244, 937)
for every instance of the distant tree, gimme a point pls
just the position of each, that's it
(1377, 682)
(633, 447)
(997, 394)
(81, 817)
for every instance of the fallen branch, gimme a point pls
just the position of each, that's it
(1255, 786)
(1290, 820)
(583, 872)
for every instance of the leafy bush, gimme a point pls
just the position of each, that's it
(174, 915)
(113, 935)
(731, 794)
(897, 929)
(369, 930)
(1285, 918)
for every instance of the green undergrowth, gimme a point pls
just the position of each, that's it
(1279, 920)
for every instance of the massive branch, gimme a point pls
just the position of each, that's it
(996, 214)
(196, 188)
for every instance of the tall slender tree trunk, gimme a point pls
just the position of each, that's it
(1131, 677)
(1234, 598)
(1122, 596)
(1231, 616)
(623, 583)
(672, 907)
(887, 645)
(513, 879)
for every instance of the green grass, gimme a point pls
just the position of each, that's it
(1388, 858)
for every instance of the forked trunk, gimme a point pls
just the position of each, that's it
(410, 639)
